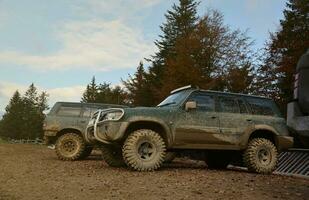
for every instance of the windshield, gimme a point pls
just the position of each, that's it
(173, 99)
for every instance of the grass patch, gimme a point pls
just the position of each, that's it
(2, 141)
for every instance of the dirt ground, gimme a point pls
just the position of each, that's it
(33, 172)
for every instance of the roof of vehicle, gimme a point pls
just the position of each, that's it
(89, 104)
(190, 87)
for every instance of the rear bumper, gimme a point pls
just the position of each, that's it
(49, 136)
(284, 142)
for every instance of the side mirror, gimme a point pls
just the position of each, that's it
(190, 105)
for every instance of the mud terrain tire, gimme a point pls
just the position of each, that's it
(70, 147)
(144, 150)
(87, 152)
(112, 155)
(260, 156)
(169, 157)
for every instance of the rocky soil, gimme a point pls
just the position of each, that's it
(33, 172)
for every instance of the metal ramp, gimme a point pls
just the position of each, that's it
(294, 162)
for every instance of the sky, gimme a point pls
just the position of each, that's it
(60, 45)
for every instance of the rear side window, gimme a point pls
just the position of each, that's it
(204, 102)
(69, 111)
(89, 111)
(228, 104)
(261, 106)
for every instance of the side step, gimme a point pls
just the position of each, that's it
(294, 162)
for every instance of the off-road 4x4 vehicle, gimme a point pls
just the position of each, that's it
(213, 126)
(64, 126)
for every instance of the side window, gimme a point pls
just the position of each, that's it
(87, 112)
(228, 104)
(69, 111)
(261, 106)
(204, 102)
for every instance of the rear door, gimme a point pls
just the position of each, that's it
(234, 119)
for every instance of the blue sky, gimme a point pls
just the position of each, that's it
(59, 45)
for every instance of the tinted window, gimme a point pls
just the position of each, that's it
(69, 111)
(228, 104)
(87, 112)
(261, 106)
(204, 102)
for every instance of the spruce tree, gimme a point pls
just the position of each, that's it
(91, 92)
(12, 121)
(180, 21)
(285, 48)
(138, 88)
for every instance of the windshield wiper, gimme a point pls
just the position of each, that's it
(167, 104)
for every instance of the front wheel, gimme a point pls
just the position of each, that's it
(70, 147)
(112, 155)
(261, 156)
(144, 150)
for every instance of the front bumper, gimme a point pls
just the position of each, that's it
(110, 131)
(284, 142)
(106, 132)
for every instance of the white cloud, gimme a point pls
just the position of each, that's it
(95, 44)
(105, 38)
(72, 93)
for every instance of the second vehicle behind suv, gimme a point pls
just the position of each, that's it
(64, 127)
(213, 126)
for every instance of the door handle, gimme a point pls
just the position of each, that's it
(213, 117)
(249, 120)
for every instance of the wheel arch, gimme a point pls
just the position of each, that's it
(156, 126)
(64, 131)
(264, 132)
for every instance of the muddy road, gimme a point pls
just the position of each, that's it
(33, 172)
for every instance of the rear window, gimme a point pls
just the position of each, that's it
(69, 111)
(260, 106)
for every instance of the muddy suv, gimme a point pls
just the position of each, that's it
(64, 126)
(207, 125)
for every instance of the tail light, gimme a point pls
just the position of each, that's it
(296, 86)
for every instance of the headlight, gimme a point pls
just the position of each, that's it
(112, 115)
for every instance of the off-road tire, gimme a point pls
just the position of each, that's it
(169, 157)
(217, 161)
(112, 155)
(70, 147)
(260, 156)
(144, 150)
(87, 152)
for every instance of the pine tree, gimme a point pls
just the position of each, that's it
(34, 106)
(285, 48)
(138, 88)
(91, 92)
(12, 121)
(180, 21)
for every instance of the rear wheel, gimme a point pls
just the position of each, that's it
(70, 146)
(261, 156)
(112, 155)
(144, 150)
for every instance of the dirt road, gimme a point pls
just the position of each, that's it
(33, 172)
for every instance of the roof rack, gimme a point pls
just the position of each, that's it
(184, 88)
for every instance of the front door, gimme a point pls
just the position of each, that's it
(198, 127)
